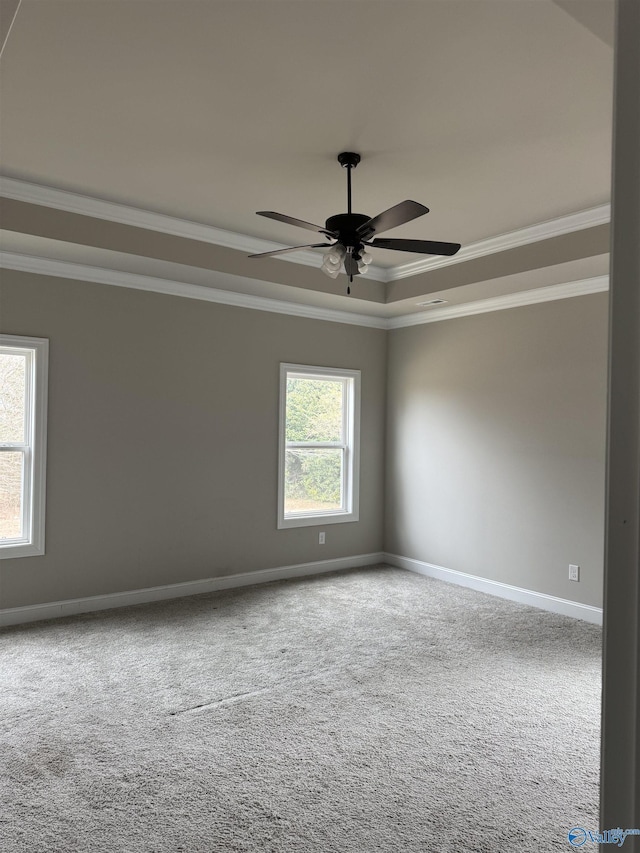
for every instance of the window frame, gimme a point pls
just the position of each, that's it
(34, 448)
(350, 485)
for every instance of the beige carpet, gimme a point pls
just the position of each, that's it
(371, 710)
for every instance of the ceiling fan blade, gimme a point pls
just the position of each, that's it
(292, 249)
(289, 220)
(351, 265)
(397, 215)
(423, 247)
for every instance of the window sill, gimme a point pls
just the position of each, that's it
(21, 549)
(313, 520)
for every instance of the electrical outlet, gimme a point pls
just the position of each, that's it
(574, 573)
(321, 538)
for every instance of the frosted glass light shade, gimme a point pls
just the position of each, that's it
(331, 271)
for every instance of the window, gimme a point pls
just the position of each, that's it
(23, 413)
(319, 445)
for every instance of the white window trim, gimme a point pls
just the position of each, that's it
(36, 460)
(351, 414)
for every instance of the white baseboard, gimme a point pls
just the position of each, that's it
(586, 612)
(55, 609)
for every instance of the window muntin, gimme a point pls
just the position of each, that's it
(23, 400)
(319, 437)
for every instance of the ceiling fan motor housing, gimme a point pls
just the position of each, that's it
(346, 225)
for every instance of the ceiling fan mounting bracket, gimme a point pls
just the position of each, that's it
(348, 158)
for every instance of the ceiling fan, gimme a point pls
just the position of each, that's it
(353, 233)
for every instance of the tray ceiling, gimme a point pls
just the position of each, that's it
(495, 114)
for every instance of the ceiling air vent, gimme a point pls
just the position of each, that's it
(431, 303)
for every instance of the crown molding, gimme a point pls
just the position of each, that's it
(600, 215)
(551, 293)
(118, 278)
(125, 215)
(100, 209)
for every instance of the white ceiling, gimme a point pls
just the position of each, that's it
(494, 113)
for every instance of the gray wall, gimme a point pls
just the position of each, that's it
(496, 445)
(162, 439)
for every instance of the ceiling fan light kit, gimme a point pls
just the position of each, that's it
(354, 233)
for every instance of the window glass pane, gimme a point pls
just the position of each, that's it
(11, 494)
(12, 395)
(313, 480)
(314, 409)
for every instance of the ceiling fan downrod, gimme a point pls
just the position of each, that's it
(349, 160)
